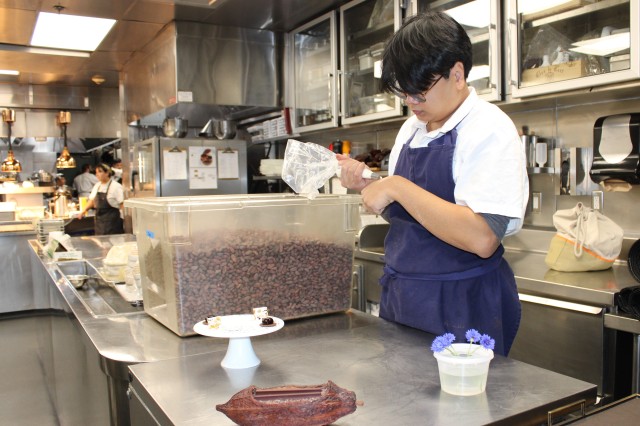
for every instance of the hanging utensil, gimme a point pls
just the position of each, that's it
(225, 129)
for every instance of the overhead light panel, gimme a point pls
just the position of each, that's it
(43, 50)
(9, 72)
(70, 31)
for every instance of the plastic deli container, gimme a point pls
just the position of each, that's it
(365, 59)
(227, 254)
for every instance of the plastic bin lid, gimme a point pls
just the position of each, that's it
(225, 202)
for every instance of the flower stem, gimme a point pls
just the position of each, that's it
(469, 348)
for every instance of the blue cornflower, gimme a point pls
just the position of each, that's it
(441, 343)
(487, 342)
(472, 335)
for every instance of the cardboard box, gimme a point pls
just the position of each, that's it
(553, 73)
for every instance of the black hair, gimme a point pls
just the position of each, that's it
(105, 168)
(86, 168)
(426, 46)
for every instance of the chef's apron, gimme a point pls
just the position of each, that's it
(431, 285)
(108, 220)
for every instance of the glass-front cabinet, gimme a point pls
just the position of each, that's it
(315, 74)
(559, 45)
(365, 26)
(481, 21)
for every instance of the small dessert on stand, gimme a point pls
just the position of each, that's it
(239, 329)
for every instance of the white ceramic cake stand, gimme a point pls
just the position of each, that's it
(239, 329)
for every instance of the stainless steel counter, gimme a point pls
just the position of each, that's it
(118, 340)
(574, 313)
(525, 253)
(16, 289)
(389, 367)
(596, 287)
(129, 338)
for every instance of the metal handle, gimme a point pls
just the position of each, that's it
(134, 175)
(330, 88)
(577, 307)
(355, 277)
(515, 66)
(566, 409)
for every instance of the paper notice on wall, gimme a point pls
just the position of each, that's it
(203, 173)
(228, 167)
(202, 178)
(174, 163)
(202, 156)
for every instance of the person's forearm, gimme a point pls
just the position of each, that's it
(455, 224)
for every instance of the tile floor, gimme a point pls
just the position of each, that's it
(24, 400)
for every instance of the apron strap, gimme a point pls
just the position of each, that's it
(477, 271)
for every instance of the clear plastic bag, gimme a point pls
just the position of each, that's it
(307, 166)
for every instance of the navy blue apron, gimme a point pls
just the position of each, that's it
(108, 220)
(431, 285)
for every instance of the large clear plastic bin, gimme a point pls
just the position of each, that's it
(226, 254)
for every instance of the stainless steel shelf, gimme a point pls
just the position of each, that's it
(589, 8)
(275, 139)
(375, 30)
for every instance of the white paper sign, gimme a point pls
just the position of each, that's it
(203, 171)
(228, 167)
(174, 164)
(202, 156)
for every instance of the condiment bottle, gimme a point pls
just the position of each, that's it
(346, 147)
(337, 146)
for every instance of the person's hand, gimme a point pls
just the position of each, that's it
(351, 173)
(377, 196)
(81, 215)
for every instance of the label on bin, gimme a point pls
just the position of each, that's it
(150, 234)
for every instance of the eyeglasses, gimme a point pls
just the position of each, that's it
(419, 98)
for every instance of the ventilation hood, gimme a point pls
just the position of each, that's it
(201, 71)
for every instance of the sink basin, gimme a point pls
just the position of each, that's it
(98, 296)
(371, 238)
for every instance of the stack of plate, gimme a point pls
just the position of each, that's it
(44, 226)
(271, 167)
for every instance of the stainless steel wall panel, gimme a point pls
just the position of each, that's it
(215, 71)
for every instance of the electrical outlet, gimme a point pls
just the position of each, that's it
(536, 202)
(597, 200)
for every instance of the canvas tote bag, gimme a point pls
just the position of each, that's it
(586, 240)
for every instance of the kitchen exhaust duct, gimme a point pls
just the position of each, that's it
(199, 72)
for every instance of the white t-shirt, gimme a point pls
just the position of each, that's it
(115, 197)
(84, 183)
(489, 161)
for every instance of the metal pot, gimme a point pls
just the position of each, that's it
(45, 178)
(175, 127)
(225, 129)
(61, 201)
